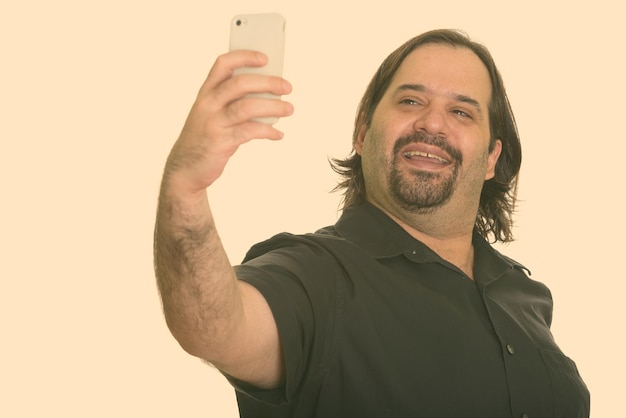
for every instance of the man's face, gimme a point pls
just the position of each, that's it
(428, 143)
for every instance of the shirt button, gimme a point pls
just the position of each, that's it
(511, 350)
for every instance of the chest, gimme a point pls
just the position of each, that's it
(423, 337)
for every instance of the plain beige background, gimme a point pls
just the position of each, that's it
(93, 95)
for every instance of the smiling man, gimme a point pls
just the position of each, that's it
(427, 150)
(400, 309)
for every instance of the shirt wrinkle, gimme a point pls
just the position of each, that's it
(374, 323)
(381, 237)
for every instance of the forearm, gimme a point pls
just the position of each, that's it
(212, 314)
(198, 288)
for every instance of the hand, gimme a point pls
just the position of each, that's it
(221, 119)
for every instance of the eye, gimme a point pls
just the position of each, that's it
(410, 101)
(462, 113)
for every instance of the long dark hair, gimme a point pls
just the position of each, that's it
(497, 199)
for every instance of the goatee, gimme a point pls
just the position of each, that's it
(423, 191)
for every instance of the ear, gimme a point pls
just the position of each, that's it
(492, 159)
(359, 139)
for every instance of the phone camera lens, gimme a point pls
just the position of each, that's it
(239, 22)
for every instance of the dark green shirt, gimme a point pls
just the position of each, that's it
(375, 324)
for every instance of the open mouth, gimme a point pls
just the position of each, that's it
(423, 152)
(425, 156)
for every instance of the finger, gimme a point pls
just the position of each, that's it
(248, 131)
(252, 107)
(242, 85)
(226, 64)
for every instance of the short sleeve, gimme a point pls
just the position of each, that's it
(297, 277)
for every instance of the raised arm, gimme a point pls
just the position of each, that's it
(211, 314)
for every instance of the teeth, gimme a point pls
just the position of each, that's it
(424, 154)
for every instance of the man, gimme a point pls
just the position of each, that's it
(402, 308)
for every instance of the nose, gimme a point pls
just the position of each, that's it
(431, 120)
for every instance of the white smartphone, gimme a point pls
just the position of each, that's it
(264, 32)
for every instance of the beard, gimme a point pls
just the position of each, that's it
(422, 191)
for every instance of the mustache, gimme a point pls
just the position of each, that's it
(434, 140)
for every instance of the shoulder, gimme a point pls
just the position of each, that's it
(310, 244)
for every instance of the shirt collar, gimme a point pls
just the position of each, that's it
(376, 233)
(490, 264)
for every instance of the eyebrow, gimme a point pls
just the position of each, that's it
(458, 97)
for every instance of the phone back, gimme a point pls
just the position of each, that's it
(264, 32)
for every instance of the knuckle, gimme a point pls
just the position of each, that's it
(221, 59)
(244, 133)
(235, 110)
(239, 83)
